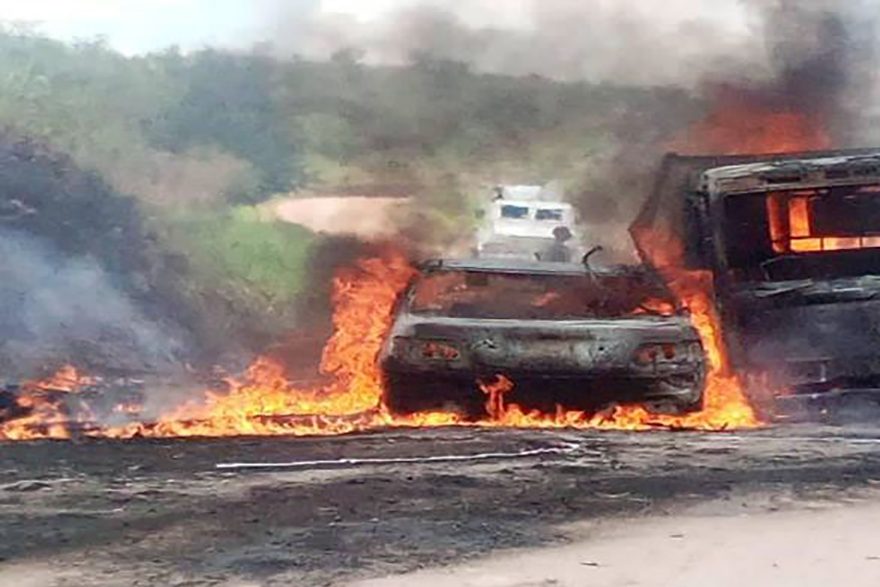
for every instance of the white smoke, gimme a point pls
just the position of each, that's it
(57, 308)
(622, 41)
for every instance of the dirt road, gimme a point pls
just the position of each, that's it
(366, 217)
(101, 513)
(815, 545)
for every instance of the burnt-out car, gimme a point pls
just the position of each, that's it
(562, 333)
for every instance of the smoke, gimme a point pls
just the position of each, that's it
(823, 54)
(55, 308)
(800, 44)
(809, 57)
(617, 41)
(814, 87)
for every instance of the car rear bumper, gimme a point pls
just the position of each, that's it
(679, 392)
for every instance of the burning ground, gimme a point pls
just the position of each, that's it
(265, 402)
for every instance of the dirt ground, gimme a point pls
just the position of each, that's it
(366, 217)
(814, 545)
(577, 508)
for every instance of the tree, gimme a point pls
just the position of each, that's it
(228, 101)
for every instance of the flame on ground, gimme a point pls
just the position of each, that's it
(263, 402)
(44, 410)
(726, 406)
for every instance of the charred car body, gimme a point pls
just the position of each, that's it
(793, 242)
(564, 334)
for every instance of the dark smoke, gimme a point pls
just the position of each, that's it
(813, 47)
(811, 56)
(819, 57)
(618, 42)
(823, 55)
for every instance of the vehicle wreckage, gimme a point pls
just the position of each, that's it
(566, 334)
(793, 245)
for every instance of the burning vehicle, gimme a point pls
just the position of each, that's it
(566, 335)
(793, 245)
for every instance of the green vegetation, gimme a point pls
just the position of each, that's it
(195, 140)
(255, 265)
(234, 127)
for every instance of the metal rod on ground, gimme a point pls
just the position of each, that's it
(403, 460)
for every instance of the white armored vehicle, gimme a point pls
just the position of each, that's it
(528, 222)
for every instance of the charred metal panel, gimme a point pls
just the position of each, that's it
(811, 335)
(808, 319)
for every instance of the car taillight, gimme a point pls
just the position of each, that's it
(442, 351)
(647, 355)
(431, 350)
(650, 354)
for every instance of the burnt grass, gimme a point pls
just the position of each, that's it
(161, 510)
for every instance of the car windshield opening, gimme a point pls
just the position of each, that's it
(464, 294)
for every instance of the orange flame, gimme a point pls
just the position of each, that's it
(264, 402)
(743, 122)
(43, 407)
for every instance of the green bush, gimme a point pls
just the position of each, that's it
(257, 267)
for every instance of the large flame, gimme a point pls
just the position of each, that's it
(742, 121)
(42, 409)
(264, 402)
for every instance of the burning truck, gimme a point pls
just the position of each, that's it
(792, 244)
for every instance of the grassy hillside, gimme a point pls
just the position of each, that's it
(193, 141)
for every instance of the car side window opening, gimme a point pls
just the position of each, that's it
(514, 212)
(549, 214)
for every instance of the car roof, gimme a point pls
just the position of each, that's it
(524, 267)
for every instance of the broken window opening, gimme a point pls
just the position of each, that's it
(835, 219)
(514, 212)
(472, 294)
(548, 214)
